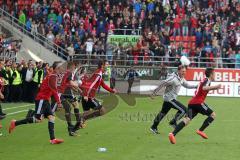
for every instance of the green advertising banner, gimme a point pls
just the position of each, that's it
(123, 40)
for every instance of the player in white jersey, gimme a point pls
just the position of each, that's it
(172, 86)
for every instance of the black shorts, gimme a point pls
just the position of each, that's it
(194, 109)
(54, 107)
(91, 104)
(42, 108)
(71, 98)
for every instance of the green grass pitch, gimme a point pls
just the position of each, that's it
(125, 133)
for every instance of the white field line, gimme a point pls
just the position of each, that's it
(229, 120)
(13, 113)
(17, 112)
(17, 107)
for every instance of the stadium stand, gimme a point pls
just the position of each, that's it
(9, 47)
(205, 31)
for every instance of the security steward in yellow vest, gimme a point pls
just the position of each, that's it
(9, 73)
(16, 83)
(37, 78)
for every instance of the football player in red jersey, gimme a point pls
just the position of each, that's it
(69, 100)
(91, 106)
(197, 105)
(42, 105)
(2, 86)
(2, 115)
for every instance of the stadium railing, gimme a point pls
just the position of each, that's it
(8, 55)
(126, 60)
(119, 31)
(9, 48)
(59, 51)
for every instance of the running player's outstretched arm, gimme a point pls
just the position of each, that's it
(106, 87)
(155, 91)
(209, 88)
(187, 85)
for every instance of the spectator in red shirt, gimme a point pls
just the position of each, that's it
(194, 24)
(111, 26)
(185, 24)
(177, 26)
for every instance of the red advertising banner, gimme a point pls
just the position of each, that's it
(228, 89)
(221, 75)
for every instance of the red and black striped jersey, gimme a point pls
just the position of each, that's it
(65, 84)
(91, 85)
(48, 88)
(200, 94)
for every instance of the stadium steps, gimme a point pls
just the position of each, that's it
(24, 55)
(31, 48)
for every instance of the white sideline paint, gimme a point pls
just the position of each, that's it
(17, 112)
(144, 88)
(17, 107)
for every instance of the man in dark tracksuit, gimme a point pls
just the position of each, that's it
(113, 77)
(130, 76)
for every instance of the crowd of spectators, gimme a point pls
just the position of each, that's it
(9, 47)
(22, 80)
(82, 27)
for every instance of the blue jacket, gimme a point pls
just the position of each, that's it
(29, 25)
(137, 7)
